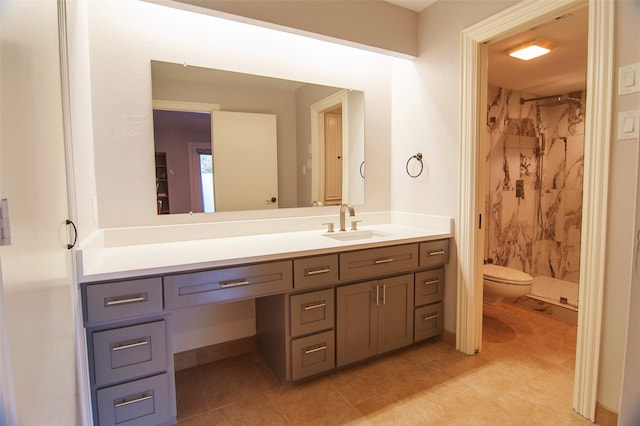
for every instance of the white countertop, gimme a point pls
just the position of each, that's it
(100, 263)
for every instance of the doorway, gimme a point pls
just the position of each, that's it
(333, 157)
(534, 160)
(473, 118)
(328, 170)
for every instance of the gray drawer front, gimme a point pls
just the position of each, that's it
(123, 299)
(129, 352)
(434, 253)
(222, 285)
(312, 355)
(378, 261)
(312, 312)
(143, 402)
(428, 321)
(315, 271)
(429, 287)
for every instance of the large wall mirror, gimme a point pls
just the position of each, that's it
(227, 141)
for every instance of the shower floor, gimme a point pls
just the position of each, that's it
(553, 297)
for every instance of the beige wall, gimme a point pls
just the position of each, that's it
(623, 179)
(426, 105)
(376, 24)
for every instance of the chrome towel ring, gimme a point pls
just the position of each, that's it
(418, 169)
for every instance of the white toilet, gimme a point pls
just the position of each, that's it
(499, 282)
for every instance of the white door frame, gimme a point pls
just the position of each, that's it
(317, 143)
(596, 163)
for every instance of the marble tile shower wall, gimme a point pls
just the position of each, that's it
(533, 183)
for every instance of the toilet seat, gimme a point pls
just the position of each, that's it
(501, 274)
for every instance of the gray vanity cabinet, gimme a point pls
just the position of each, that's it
(130, 363)
(373, 317)
(429, 290)
(313, 313)
(296, 330)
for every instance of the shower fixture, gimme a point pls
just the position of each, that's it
(554, 100)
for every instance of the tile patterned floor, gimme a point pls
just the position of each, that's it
(523, 376)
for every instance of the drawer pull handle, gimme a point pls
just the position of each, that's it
(318, 349)
(130, 345)
(319, 271)
(133, 299)
(125, 402)
(431, 317)
(431, 282)
(436, 252)
(316, 306)
(379, 261)
(234, 283)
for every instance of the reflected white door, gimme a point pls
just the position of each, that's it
(245, 161)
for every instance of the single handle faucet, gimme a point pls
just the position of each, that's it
(343, 209)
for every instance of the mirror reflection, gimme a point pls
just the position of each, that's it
(227, 141)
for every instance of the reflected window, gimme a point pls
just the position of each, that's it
(206, 181)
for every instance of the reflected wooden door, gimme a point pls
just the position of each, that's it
(333, 157)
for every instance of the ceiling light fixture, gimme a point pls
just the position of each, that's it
(531, 50)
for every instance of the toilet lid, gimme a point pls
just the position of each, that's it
(506, 275)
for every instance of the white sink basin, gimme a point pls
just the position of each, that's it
(363, 234)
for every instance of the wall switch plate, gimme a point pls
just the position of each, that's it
(629, 79)
(629, 125)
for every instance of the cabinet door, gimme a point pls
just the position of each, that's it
(395, 313)
(357, 325)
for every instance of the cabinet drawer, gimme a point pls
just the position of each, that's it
(315, 271)
(312, 312)
(378, 261)
(429, 287)
(123, 299)
(222, 285)
(312, 355)
(143, 402)
(434, 253)
(428, 321)
(129, 352)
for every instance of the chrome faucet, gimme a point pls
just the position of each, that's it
(343, 209)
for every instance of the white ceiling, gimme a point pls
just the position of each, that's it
(415, 5)
(560, 71)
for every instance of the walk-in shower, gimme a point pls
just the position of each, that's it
(533, 196)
